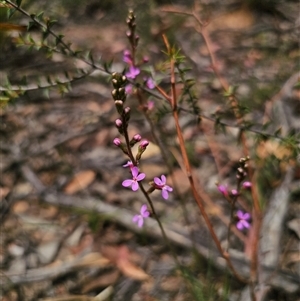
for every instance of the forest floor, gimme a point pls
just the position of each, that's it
(66, 229)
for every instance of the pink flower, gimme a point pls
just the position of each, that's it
(127, 58)
(243, 220)
(136, 177)
(129, 164)
(133, 72)
(223, 189)
(150, 83)
(139, 218)
(160, 183)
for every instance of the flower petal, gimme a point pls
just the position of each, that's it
(157, 181)
(165, 194)
(135, 218)
(163, 179)
(144, 211)
(246, 216)
(240, 225)
(135, 186)
(140, 222)
(127, 183)
(141, 177)
(240, 214)
(134, 171)
(168, 188)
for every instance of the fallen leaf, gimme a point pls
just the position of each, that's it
(128, 268)
(104, 280)
(94, 259)
(80, 181)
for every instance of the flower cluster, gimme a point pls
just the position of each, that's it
(128, 57)
(119, 94)
(232, 195)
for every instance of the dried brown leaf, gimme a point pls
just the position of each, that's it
(80, 181)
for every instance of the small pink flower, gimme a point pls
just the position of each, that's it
(133, 72)
(150, 83)
(117, 142)
(139, 218)
(160, 183)
(127, 58)
(223, 189)
(129, 164)
(136, 177)
(244, 219)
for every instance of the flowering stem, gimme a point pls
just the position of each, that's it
(188, 166)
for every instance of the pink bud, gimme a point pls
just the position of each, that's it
(223, 189)
(137, 137)
(117, 142)
(118, 123)
(144, 144)
(127, 110)
(247, 184)
(234, 192)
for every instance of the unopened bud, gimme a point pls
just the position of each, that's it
(144, 144)
(119, 106)
(118, 123)
(117, 142)
(137, 137)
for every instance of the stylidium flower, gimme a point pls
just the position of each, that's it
(244, 220)
(127, 58)
(133, 72)
(160, 183)
(223, 189)
(150, 83)
(139, 218)
(129, 164)
(136, 177)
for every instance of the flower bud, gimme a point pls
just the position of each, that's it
(144, 144)
(247, 184)
(137, 137)
(117, 142)
(119, 106)
(118, 123)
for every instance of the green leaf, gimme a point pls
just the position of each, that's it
(18, 2)
(10, 12)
